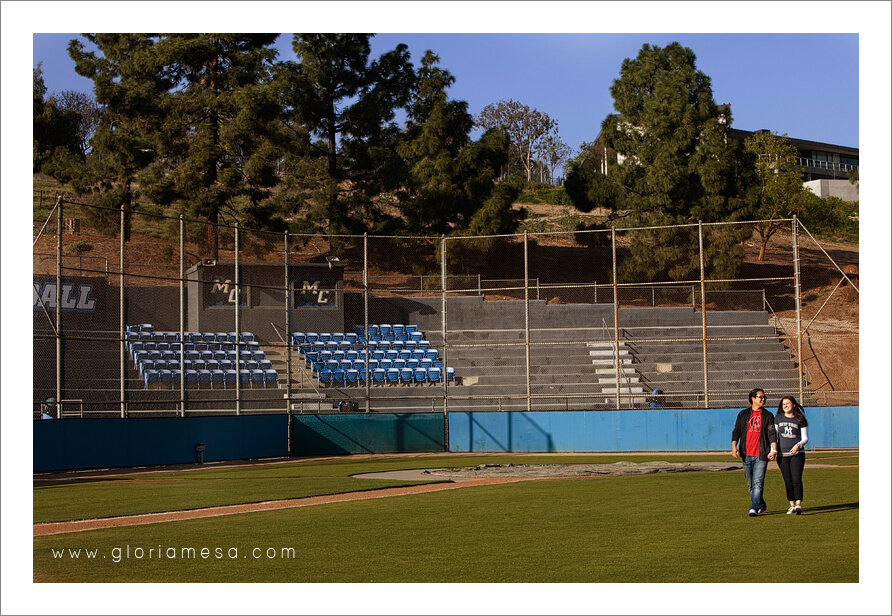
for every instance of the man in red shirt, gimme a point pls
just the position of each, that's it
(755, 435)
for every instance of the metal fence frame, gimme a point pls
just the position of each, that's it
(530, 288)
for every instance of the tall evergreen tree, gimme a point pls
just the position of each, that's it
(128, 82)
(218, 143)
(55, 127)
(678, 166)
(451, 184)
(340, 111)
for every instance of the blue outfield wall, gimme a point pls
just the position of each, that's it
(70, 444)
(368, 433)
(634, 430)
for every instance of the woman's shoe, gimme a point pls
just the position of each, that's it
(798, 510)
(791, 510)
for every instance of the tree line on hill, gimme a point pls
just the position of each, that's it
(216, 128)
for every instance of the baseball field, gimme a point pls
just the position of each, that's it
(319, 521)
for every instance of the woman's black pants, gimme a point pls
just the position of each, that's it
(791, 468)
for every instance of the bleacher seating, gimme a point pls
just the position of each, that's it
(209, 359)
(391, 354)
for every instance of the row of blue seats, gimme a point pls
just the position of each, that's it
(174, 364)
(382, 377)
(386, 330)
(140, 356)
(310, 357)
(359, 364)
(375, 345)
(226, 378)
(189, 336)
(140, 345)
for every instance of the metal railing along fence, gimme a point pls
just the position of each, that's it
(186, 317)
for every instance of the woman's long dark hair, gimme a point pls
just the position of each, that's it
(797, 410)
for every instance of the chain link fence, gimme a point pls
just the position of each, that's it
(166, 315)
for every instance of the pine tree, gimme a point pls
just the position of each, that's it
(218, 146)
(128, 82)
(340, 108)
(677, 166)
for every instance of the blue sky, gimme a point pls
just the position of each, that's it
(568, 76)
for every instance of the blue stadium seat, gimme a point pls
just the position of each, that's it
(204, 377)
(386, 364)
(324, 377)
(298, 338)
(257, 377)
(379, 376)
(351, 376)
(406, 376)
(138, 356)
(339, 377)
(450, 375)
(399, 364)
(151, 377)
(264, 364)
(393, 376)
(191, 377)
(218, 377)
(434, 375)
(270, 378)
(165, 377)
(231, 376)
(420, 376)
(411, 328)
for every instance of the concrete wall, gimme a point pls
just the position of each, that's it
(843, 189)
(638, 430)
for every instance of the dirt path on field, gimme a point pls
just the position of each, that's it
(74, 526)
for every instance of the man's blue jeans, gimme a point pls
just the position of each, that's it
(754, 471)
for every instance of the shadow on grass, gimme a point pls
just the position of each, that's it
(818, 510)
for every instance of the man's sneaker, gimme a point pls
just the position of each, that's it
(798, 510)
(791, 510)
(762, 509)
(753, 513)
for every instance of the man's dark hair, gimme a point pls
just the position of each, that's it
(754, 392)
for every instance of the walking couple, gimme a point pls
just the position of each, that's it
(759, 436)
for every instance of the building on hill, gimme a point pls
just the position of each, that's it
(825, 166)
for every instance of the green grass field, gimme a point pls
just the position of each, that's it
(685, 527)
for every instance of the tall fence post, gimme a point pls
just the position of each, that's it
(526, 317)
(703, 304)
(59, 309)
(238, 327)
(445, 376)
(615, 316)
(288, 366)
(182, 352)
(365, 323)
(121, 316)
(798, 295)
